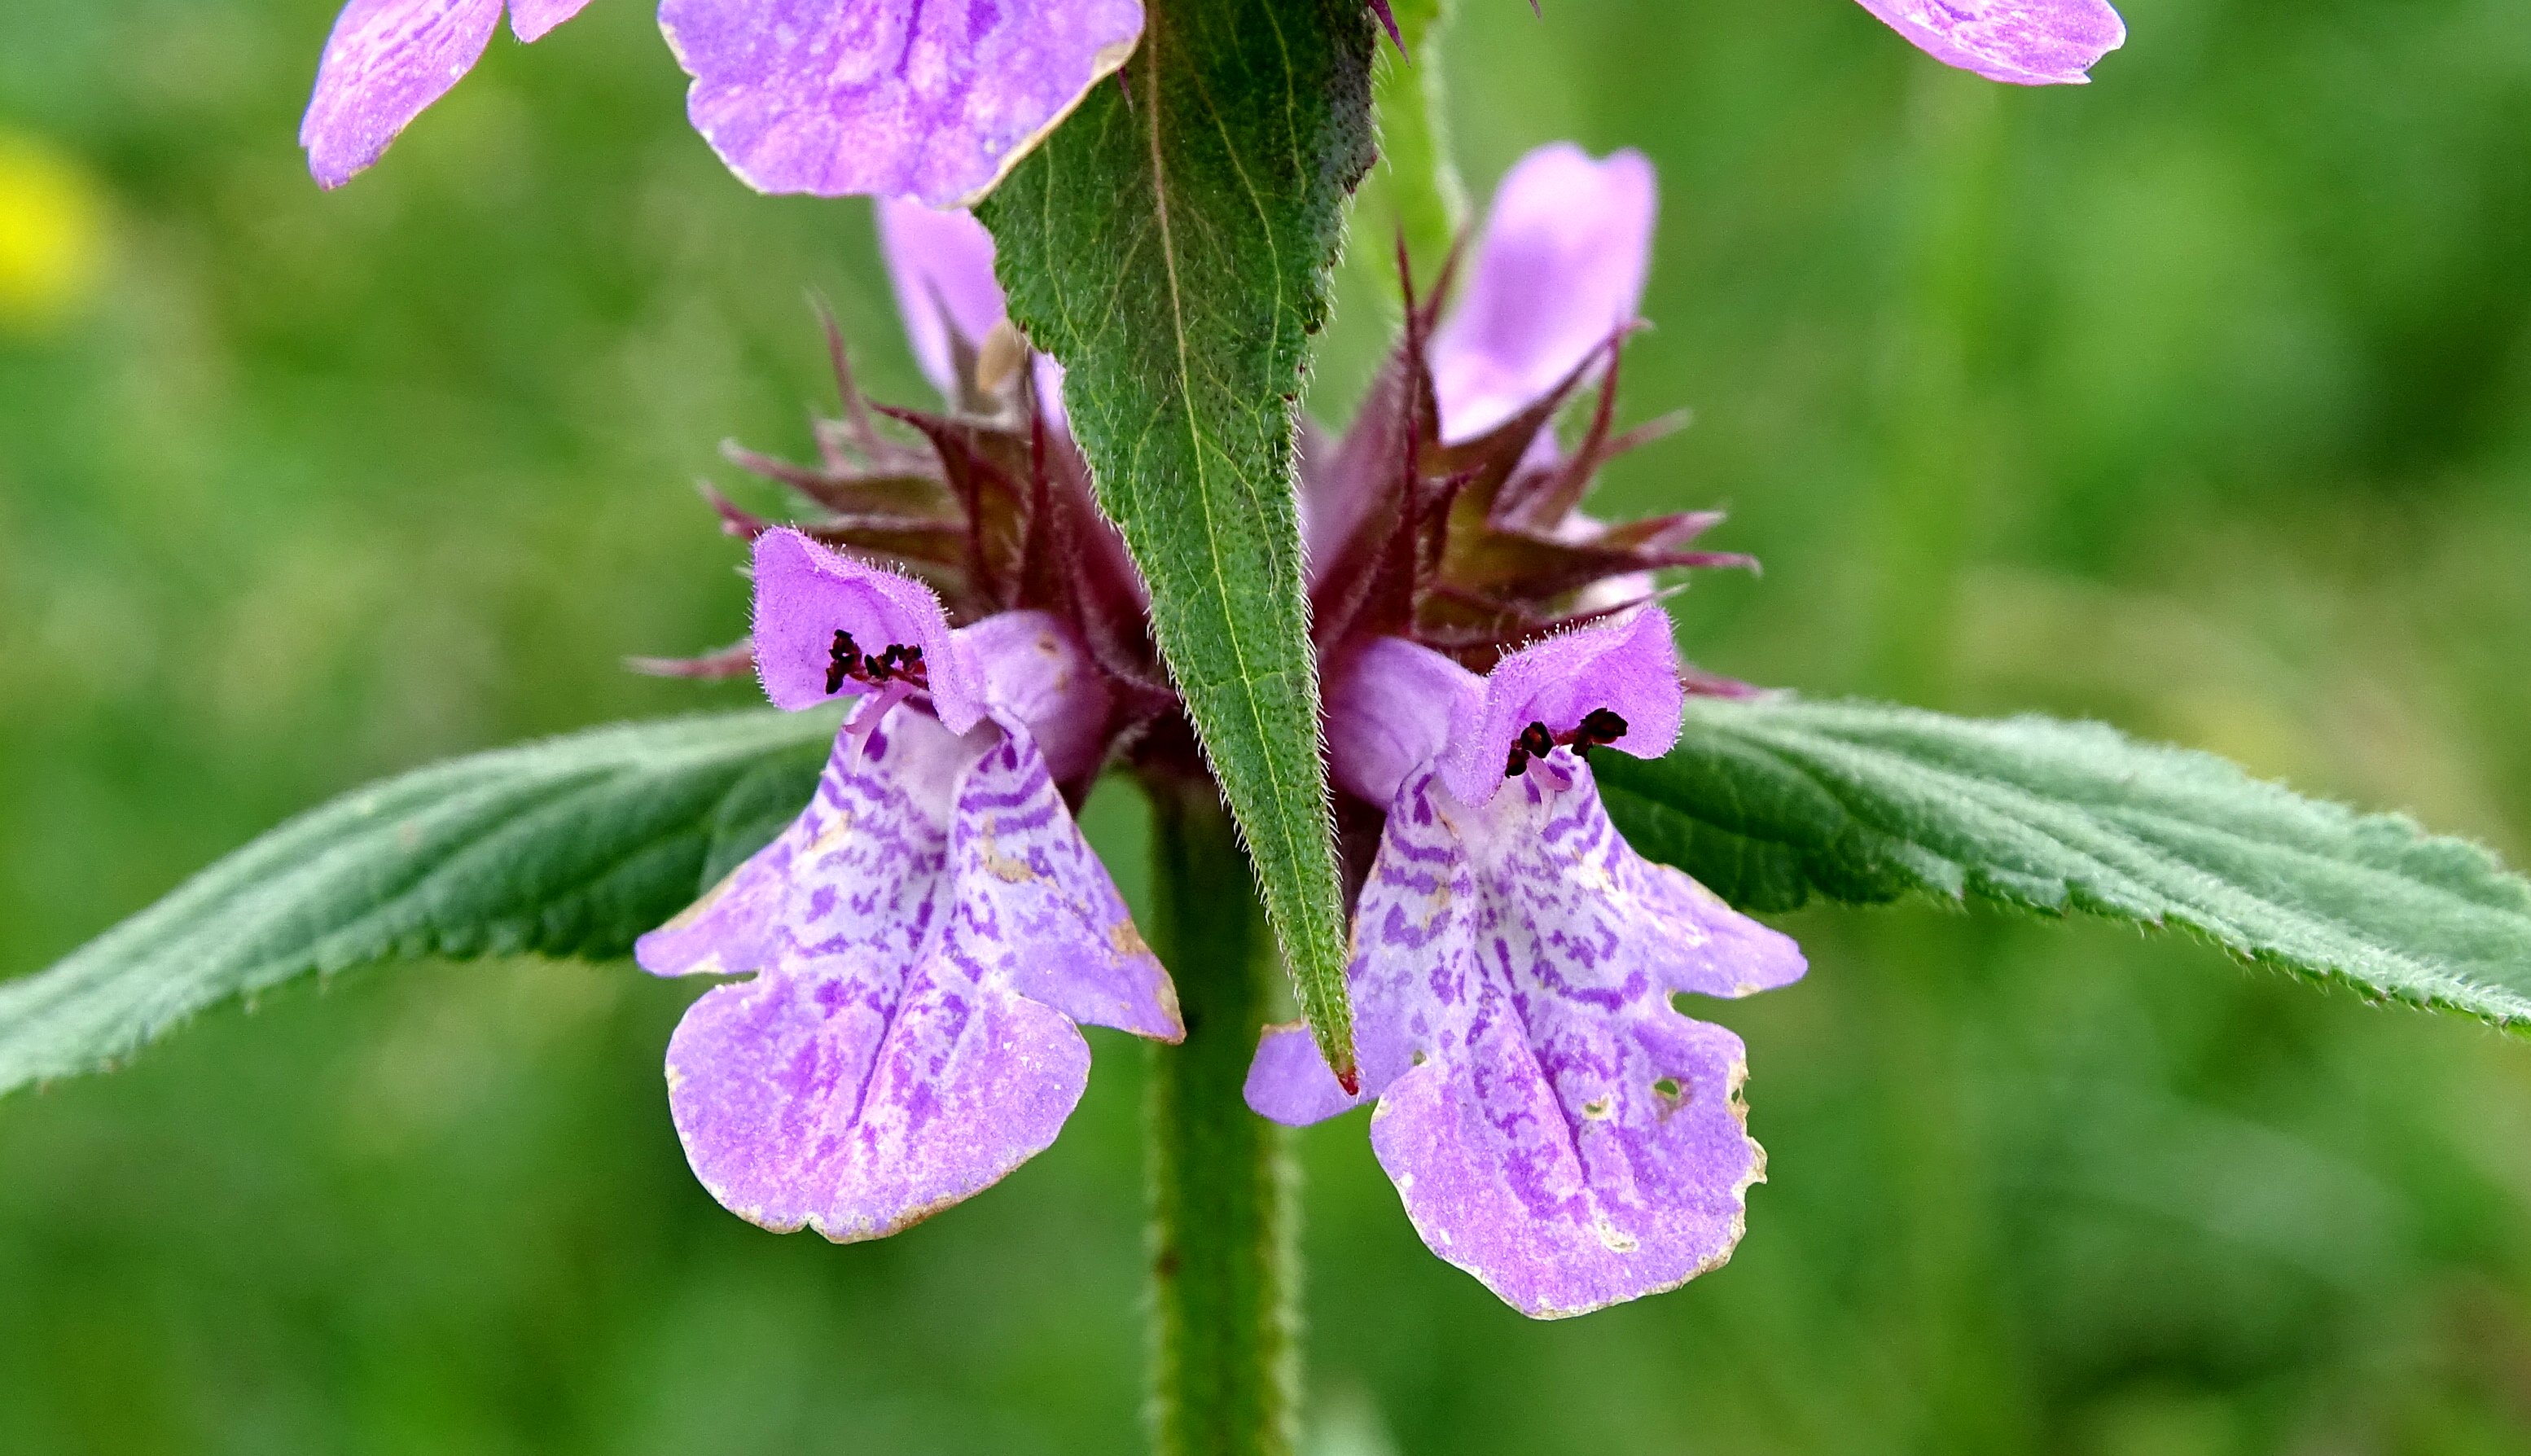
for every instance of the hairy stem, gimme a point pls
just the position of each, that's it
(1420, 184)
(1225, 1325)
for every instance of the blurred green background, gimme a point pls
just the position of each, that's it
(2198, 400)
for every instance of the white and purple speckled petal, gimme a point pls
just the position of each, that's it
(2028, 43)
(1560, 268)
(1551, 1121)
(385, 62)
(926, 935)
(857, 1100)
(1560, 1213)
(529, 20)
(941, 263)
(856, 877)
(1036, 910)
(892, 97)
(806, 592)
(1627, 664)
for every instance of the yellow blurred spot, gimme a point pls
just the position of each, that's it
(52, 233)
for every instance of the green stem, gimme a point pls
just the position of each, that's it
(1225, 1325)
(1426, 202)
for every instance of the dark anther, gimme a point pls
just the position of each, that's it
(843, 660)
(1599, 726)
(1535, 742)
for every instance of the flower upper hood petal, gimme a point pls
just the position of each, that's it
(940, 266)
(1395, 705)
(805, 594)
(1627, 665)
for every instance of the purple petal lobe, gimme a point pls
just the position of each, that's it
(2028, 43)
(384, 63)
(1553, 1123)
(805, 594)
(925, 936)
(1289, 1081)
(900, 99)
(529, 20)
(853, 1103)
(1033, 902)
(1389, 710)
(1627, 665)
(1559, 270)
(942, 265)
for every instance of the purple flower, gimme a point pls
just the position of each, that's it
(1552, 1122)
(1559, 270)
(891, 97)
(1449, 512)
(2028, 43)
(928, 934)
(941, 265)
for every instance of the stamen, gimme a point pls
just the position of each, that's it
(896, 663)
(874, 707)
(843, 660)
(1597, 727)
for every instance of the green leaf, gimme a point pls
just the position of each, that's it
(1769, 803)
(1170, 244)
(573, 846)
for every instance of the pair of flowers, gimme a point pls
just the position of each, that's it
(926, 938)
(936, 102)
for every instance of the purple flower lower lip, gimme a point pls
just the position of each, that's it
(894, 98)
(385, 63)
(2027, 42)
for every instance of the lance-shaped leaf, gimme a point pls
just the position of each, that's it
(572, 846)
(1769, 803)
(1170, 245)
